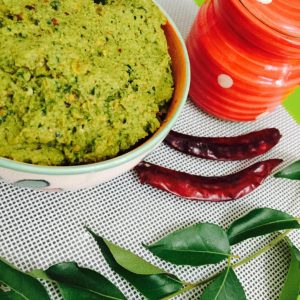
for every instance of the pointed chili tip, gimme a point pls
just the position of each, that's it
(276, 161)
(273, 163)
(276, 134)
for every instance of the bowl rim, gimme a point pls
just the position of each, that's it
(124, 158)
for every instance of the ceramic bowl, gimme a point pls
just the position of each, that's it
(68, 178)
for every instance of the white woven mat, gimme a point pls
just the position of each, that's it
(39, 229)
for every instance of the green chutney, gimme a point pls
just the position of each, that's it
(81, 81)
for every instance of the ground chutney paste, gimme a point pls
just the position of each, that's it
(80, 80)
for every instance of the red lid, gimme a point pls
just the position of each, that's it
(281, 15)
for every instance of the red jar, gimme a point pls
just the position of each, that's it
(245, 56)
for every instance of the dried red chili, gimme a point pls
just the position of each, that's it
(225, 148)
(213, 189)
(55, 22)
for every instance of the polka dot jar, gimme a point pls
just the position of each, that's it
(245, 56)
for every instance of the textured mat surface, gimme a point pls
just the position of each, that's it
(39, 229)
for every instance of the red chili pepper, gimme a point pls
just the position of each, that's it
(213, 189)
(225, 148)
(55, 22)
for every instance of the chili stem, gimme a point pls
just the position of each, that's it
(190, 286)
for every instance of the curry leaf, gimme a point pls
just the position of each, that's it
(75, 283)
(259, 222)
(40, 274)
(15, 285)
(291, 288)
(132, 262)
(225, 287)
(197, 245)
(152, 282)
(290, 172)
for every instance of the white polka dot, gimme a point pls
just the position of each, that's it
(225, 81)
(265, 1)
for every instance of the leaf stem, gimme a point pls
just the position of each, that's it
(190, 286)
(187, 288)
(262, 250)
(235, 256)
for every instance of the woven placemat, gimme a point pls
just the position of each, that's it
(39, 229)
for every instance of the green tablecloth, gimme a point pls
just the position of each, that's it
(292, 105)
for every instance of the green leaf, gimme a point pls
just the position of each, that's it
(154, 286)
(132, 262)
(291, 288)
(225, 287)
(15, 285)
(40, 274)
(80, 283)
(200, 244)
(200, 2)
(259, 222)
(290, 172)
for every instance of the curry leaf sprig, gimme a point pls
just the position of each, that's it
(291, 288)
(291, 172)
(197, 245)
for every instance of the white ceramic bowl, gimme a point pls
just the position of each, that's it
(49, 178)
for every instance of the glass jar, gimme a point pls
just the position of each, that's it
(245, 56)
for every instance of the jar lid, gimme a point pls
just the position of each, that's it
(281, 15)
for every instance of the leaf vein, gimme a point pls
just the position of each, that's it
(223, 283)
(257, 227)
(196, 251)
(23, 296)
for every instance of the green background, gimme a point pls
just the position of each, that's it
(292, 105)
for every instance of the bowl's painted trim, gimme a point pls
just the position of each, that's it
(119, 160)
